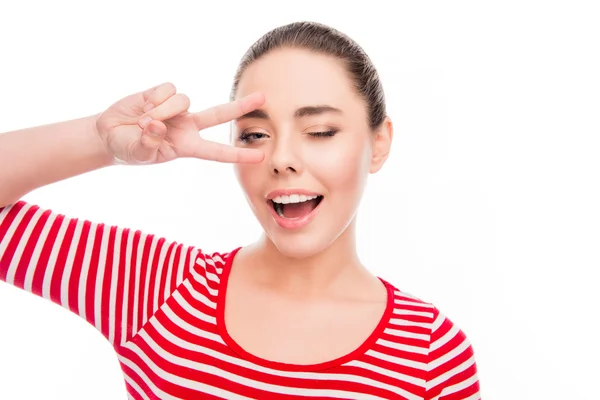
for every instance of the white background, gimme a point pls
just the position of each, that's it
(488, 206)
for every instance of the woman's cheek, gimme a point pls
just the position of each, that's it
(341, 164)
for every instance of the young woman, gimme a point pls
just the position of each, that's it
(294, 315)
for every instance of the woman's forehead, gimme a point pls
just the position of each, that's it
(295, 78)
(295, 69)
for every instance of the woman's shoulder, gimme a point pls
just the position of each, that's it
(445, 351)
(216, 263)
(409, 308)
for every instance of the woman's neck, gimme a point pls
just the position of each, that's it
(335, 271)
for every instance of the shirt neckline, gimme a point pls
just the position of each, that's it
(233, 345)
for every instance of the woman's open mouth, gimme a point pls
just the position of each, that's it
(295, 206)
(294, 210)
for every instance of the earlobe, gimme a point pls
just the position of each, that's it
(382, 145)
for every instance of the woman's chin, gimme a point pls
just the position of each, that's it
(300, 246)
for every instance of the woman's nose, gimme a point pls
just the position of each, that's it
(284, 158)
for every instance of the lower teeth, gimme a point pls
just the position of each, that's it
(279, 209)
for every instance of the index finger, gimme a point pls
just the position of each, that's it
(227, 154)
(227, 112)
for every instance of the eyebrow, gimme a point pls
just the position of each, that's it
(301, 112)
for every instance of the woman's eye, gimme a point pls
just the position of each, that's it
(324, 134)
(249, 137)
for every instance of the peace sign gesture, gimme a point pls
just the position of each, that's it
(155, 126)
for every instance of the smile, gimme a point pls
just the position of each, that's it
(294, 210)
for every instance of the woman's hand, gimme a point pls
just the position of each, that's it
(155, 126)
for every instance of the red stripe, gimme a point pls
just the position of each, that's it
(13, 243)
(75, 277)
(121, 314)
(92, 277)
(37, 282)
(163, 274)
(144, 271)
(174, 268)
(19, 278)
(466, 392)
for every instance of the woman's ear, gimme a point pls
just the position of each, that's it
(382, 143)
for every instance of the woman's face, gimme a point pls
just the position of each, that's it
(314, 133)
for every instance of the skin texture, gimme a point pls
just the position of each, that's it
(306, 285)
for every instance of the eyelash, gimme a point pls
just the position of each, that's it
(247, 137)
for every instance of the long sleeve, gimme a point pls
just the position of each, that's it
(451, 366)
(112, 277)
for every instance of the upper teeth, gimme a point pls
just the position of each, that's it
(293, 198)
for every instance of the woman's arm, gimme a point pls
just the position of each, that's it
(114, 278)
(35, 157)
(149, 127)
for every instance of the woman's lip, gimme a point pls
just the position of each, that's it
(286, 192)
(295, 223)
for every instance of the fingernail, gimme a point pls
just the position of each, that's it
(148, 107)
(144, 122)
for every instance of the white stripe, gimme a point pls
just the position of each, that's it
(449, 355)
(167, 287)
(13, 227)
(397, 360)
(435, 325)
(449, 374)
(157, 392)
(206, 260)
(405, 334)
(85, 269)
(66, 278)
(403, 322)
(114, 281)
(402, 311)
(202, 280)
(125, 305)
(138, 271)
(100, 279)
(407, 295)
(180, 267)
(56, 246)
(412, 303)
(199, 296)
(452, 332)
(220, 260)
(173, 317)
(35, 257)
(149, 274)
(136, 387)
(392, 374)
(460, 386)
(403, 347)
(4, 211)
(192, 310)
(161, 264)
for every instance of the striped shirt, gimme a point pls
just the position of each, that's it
(160, 305)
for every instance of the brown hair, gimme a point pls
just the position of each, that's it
(325, 40)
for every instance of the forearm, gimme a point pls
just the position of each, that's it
(35, 157)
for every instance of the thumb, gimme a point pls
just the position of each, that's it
(145, 149)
